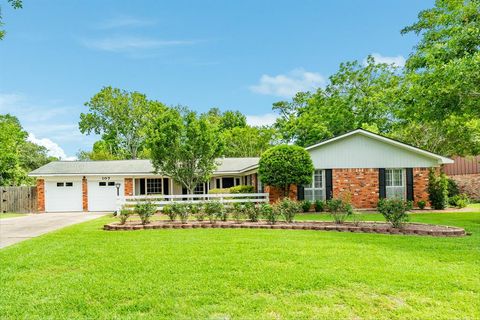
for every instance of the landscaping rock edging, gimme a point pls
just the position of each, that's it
(419, 229)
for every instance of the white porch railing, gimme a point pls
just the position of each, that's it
(226, 198)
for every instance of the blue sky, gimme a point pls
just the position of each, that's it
(241, 55)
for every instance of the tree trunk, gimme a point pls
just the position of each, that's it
(286, 191)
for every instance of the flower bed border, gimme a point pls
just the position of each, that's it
(418, 229)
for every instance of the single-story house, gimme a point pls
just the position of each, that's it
(360, 165)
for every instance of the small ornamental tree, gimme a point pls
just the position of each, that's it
(437, 190)
(284, 165)
(183, 146)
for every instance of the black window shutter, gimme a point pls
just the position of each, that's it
(409, 184)
(165, 186)
(382, 191)
(300, 192)
(328, 184)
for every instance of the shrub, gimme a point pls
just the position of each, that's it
(269, 213)
(251, 211)
(145, 210)
(438, 190)
(422, 204)
(460, 200)
(242, 189)
(452, 188)
(223, 215)
(196, 211)
(339, 209)
(124, 214)
(219, 191)
(213, 210)
(319, 205)
(237, 212)
(182, 210)
(356, 218)
(284, 165)
(306, 205)
(288, 209)
(168, 210)
(394, 211)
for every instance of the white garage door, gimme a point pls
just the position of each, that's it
(102, 195)
(63, 196)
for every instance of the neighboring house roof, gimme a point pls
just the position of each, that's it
(439, 158)
(131, 167)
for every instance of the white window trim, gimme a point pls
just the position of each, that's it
(403, 185)
(312, 186)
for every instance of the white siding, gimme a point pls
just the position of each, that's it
(359, 151)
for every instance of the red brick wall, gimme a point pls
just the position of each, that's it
(41, 195)
(84, 194)
(420, 185)
(128, 187)
(276, 193)
(469, 184)
(359, 186)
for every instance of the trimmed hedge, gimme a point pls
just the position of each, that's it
(236, 189)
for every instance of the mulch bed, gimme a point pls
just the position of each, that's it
(364, 227)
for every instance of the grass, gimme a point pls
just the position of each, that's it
(85, 272)
(11, 215)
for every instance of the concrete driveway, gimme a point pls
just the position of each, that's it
(13, 230)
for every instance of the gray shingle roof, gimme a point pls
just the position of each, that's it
(123, 167)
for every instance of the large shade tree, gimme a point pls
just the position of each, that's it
(357, 95)
(18, 156)
(184, 146)
(121, 118)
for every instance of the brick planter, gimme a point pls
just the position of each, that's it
(418, 229)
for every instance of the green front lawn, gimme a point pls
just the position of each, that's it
(85, 272)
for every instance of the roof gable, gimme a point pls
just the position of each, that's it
(397, 144)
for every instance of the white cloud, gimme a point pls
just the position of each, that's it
(287, 85)
(129, 43)
(125, 21)
(53, 149)
(262, 120)
(398, 61)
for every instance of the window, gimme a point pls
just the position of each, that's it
(315, 190)
(395, 183)
(199, 189)
(68, 184)
(227, 182)
(154, 186)
(102, 183)
(59, 184)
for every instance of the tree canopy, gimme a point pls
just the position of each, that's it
(183, 146)
(432, 103)
(18, 156)
(284, 165)
(121, 118)
(16, 4)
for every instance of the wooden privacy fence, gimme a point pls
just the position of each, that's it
(227, 198)
(18, 199)
(463, 165)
